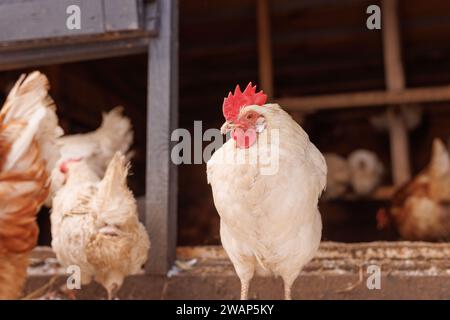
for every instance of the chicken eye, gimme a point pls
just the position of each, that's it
(249, 116)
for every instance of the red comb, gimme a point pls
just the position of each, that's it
(234, 102)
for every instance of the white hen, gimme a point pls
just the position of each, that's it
(96, 148)
(270, 222)
(366, 171)
(95, 225)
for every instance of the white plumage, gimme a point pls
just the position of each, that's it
(270, 223)
(96, 148)
(95, 225)
(366, 171)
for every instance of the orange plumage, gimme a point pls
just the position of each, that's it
(28, 129)
(420, 210)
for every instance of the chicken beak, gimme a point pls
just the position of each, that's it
(227, 127)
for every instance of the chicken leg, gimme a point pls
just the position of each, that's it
(287, 293)
(244, 289)
(288, 282)
(112, 293)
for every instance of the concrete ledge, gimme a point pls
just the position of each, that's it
(410, 270)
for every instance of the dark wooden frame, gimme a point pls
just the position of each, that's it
(162, 118)
(46, 19)
(154, 31)
(395, 96)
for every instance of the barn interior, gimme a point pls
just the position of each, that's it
(310, 57)
(317, 49)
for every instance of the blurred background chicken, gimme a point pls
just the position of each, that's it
(420, 210)
(28, 152)
(338, 178)
(366, 171)
(95, 224)
(96, 148)
(270, 222)
(361, 173)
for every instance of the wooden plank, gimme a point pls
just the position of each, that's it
(161, 181)
(48, 53)
(122, 15)
(366, 99)
(409, 270)
(44, 19)
(395, 81)
(265, 48)
(24, 20)
(151, 17)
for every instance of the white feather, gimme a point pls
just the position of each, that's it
(270, 223)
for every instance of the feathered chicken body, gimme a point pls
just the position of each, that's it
(28, 151)
(366, 171)
(95, 224)
(270, 222)
(420, 210)
(96, 148)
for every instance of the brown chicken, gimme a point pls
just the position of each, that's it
(28, 132)
(420, 210)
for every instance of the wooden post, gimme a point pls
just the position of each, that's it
(161, 181)
(264, 48)
(265, 55)
(395, 81)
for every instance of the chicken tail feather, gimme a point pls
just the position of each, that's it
(118, 129)
(116, 175)
(29, 102)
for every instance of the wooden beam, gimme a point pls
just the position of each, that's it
(366, 99)
(395, 81)
(394, 72)
(67, 50)
(161, 175)
(31, 20)
(16, 53)
(43, 19)
(265, 48)
(122, 15)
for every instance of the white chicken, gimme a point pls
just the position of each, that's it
(95, 224)
(28, 150)
(366, 171)
(270, 222)
(97, 148)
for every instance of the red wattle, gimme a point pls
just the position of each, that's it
(244, 139)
